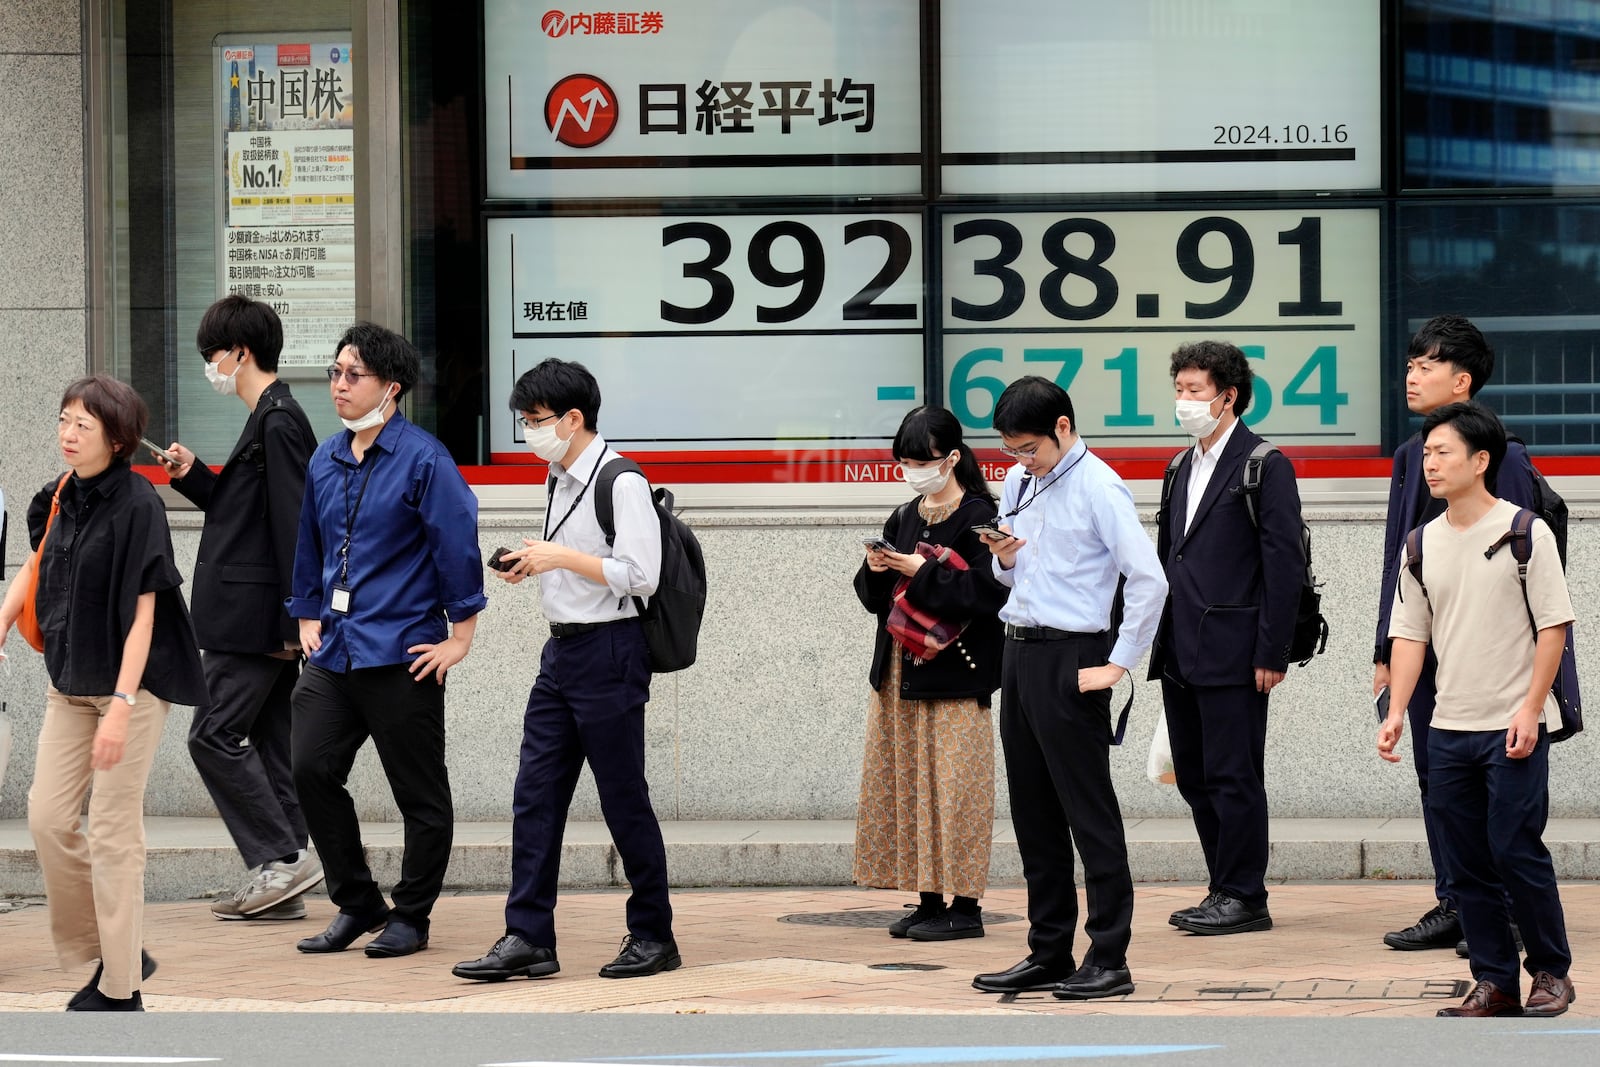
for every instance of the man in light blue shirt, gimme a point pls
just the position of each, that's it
(1070, 532)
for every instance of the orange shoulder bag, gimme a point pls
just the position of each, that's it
(28, 621)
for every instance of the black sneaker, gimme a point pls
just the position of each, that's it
(1439, 928)
(919, 913)
(951, 926)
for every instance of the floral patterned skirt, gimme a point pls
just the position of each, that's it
(925, 822)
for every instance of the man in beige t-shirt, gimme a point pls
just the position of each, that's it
(1488, 749)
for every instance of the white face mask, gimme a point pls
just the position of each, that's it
(546, 443)
(1195, 417)
(370, 419)
(224, 384)
(929, 481)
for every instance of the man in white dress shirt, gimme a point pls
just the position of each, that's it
(594, 681)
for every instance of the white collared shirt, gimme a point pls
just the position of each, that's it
(1201, 470)
(632, 565)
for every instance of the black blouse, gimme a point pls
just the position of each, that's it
(973, 669)
(109, 545)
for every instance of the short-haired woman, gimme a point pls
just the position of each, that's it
(120, 650)
(925, 820)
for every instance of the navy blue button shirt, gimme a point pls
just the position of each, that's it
(413, 560)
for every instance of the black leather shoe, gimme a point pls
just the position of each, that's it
(1439, 928)
(639, 958)
(147, 967)
(1181, 913)
(343, 931)
(399, 938)
(1091, 983)
(919, 914)
(951, 926)
(1022, 978)
(511, 957)
(1225, 915)
(98, 1001)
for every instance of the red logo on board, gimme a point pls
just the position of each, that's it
(580, 110)
(294, 55)
(555, 23)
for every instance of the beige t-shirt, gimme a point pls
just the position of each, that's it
(1474, 615)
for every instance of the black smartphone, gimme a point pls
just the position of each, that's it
(1381, 702)
(878, 543)
(990, 530)
(497, 561)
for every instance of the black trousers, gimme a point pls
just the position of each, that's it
(587, 704)
(240, 745)
(334, 714)
(1057, 744)
(1219, 743)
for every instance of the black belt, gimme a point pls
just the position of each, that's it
(574, 629)
(1046, 633)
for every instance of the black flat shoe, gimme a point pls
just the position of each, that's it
(1024, 977)
(511, 957)
(343, 931)
(147, 967)
(1439, 928)
(399, 938)
(1091, 983)
(639, 958)
(98, 1001)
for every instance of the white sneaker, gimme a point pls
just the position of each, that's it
(277, 882)
(227, 908)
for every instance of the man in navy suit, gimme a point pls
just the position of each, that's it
(1223, 643)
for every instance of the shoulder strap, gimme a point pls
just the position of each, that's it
(1169, 476)
(1252, 479)
(1414, 561)
(1520, 538)
(259, 449)
(602, 493)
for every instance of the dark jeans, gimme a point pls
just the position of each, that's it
(240, 746)
(1219, 742)
(1491, 811)
(587, 704)
(1058, 763)
(334, 714)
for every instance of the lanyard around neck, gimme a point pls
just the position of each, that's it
(1023, 505)
(350, 514)
(549, 533)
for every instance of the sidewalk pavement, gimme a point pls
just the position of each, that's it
(745, 953)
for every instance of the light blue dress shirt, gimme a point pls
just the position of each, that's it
(1082, 531)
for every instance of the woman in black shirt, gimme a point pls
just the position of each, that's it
(119, 649)
(925, 819)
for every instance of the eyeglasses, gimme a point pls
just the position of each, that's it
(528, 424)
(354, 377)
(1019, 453)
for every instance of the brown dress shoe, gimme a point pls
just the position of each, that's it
(1485, 1001)
(1551, 996)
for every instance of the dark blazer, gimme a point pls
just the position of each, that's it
(1232, 592)
(973, 668)
(242, 573)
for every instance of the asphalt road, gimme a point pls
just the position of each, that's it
(543, 1040)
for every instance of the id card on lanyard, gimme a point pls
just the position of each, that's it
(339, 602)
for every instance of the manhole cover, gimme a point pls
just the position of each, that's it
(869, 919)
(905, 966)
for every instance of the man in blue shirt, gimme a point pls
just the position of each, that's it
(387, 587)
(1447, 362)
(1071, 532)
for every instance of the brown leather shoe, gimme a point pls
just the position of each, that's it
(1551, 996)
(1485, 1001)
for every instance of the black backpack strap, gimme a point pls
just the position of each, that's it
(1251, 486)
(1520, 538)
(602, 494)
(1414, 562)
(1168, 478)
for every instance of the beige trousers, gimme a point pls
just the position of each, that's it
(94, 877)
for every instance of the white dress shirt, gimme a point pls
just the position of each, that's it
(1201, 469)
(632, 565)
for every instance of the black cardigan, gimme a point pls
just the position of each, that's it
(970, 668)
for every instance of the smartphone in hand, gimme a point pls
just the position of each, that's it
(877, 544)
(1381, 703)
(989, 531)
(166, 457)
(498, 562)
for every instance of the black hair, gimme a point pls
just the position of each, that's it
(239, 322)
(1479, 427)
(930, 432)
(384, 353)
(1224, 362)
(120, 410)
(559, 385)
(1031, 405)
(1454, 340)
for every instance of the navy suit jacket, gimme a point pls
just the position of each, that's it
(1232, 591)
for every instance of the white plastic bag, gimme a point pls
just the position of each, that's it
(1159, 767)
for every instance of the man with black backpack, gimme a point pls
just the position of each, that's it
(588, 702)
(1235, 566)
(240, 741)
(1448, 361)
(1465, 586)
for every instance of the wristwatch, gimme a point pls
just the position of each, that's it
(126, 697)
